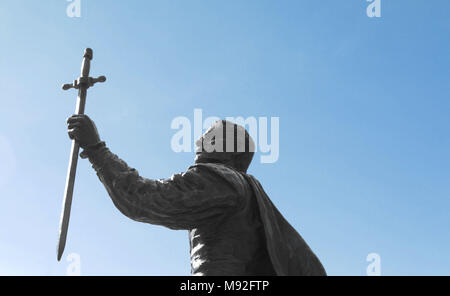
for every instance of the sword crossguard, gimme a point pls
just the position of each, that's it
(83, 82)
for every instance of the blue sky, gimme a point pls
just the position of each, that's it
(364, 127)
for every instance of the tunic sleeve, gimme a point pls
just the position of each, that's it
(184, 201)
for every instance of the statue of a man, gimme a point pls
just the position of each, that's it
(234, 229)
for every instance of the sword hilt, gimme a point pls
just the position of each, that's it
(85, 82)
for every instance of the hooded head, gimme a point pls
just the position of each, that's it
(226, 143)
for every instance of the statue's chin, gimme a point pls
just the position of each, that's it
(201, 158)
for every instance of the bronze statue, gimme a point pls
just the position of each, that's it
(234, 229)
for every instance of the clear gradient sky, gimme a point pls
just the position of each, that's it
(363, 104)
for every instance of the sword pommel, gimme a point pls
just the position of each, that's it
(88, 54)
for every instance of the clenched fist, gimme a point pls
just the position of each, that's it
(83, 130)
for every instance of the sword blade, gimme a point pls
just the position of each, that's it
(70, 181)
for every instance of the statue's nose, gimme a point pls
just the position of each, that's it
(198, 143)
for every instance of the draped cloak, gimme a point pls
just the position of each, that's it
(289, 253)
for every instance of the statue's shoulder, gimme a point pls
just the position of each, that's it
(227, 174)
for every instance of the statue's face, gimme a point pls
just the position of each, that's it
(210, 146)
